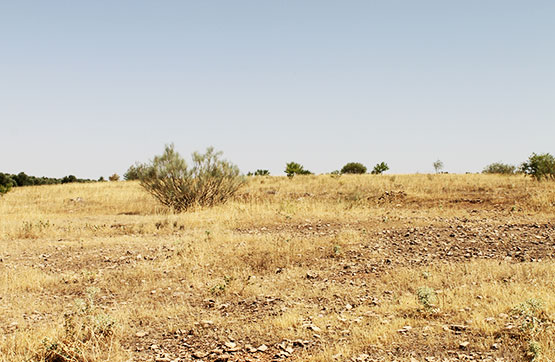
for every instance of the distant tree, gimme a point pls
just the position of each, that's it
(114, 177)
(293, 168)
(539, 166)
(101, 179)
(6, 183)
(21, 179)
(69, 179)
(132, 172)
(380, 168)
(354, 167)
(438, 166)
(262, 173)
(499, 168)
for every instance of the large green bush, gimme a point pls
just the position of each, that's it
(539, 166)
(354, 167)
(209, 181)
(499, 168)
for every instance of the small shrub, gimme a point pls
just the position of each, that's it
(114, 177)
(499, 168)
(354, 168)
(380, 168)
(540, 166)
(427, 297)
(208, 182)
(293, 168)
(259, 172)
(534, 350)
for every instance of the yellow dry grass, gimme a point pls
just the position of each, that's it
(321, 260)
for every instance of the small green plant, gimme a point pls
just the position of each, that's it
(354, 168)
(293, 168)
(427, 297)
(221, 287)
(530, 314)
(540, 166)
(533, 320)
(380, 168)
(534, 350)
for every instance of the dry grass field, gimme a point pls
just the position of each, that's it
(314, 268)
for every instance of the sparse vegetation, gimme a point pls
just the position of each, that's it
(282, 261)
(209, 181)
(114, 177)
(354, 168)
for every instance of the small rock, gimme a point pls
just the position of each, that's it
(141, 334)
(200, 354)
(262, 348)
(230, 345)
(464, 345)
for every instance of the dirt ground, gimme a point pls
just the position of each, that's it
(290, 274)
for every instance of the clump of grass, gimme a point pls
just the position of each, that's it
(533, 322)
(86, 330)
(427, 297)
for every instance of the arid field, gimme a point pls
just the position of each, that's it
(313, 268)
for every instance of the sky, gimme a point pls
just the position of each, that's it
(91, 87)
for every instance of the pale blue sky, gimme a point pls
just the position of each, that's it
(90, 87)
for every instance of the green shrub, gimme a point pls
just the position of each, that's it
(114, 177)
(6, 183)
(208, 182)
(539, 166)
(293, 168)
(354, 167)
(259, 172)
(499, 168)
(380, 168)
(69, 179)
(132, 172)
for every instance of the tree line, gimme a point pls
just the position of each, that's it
(7, 181)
